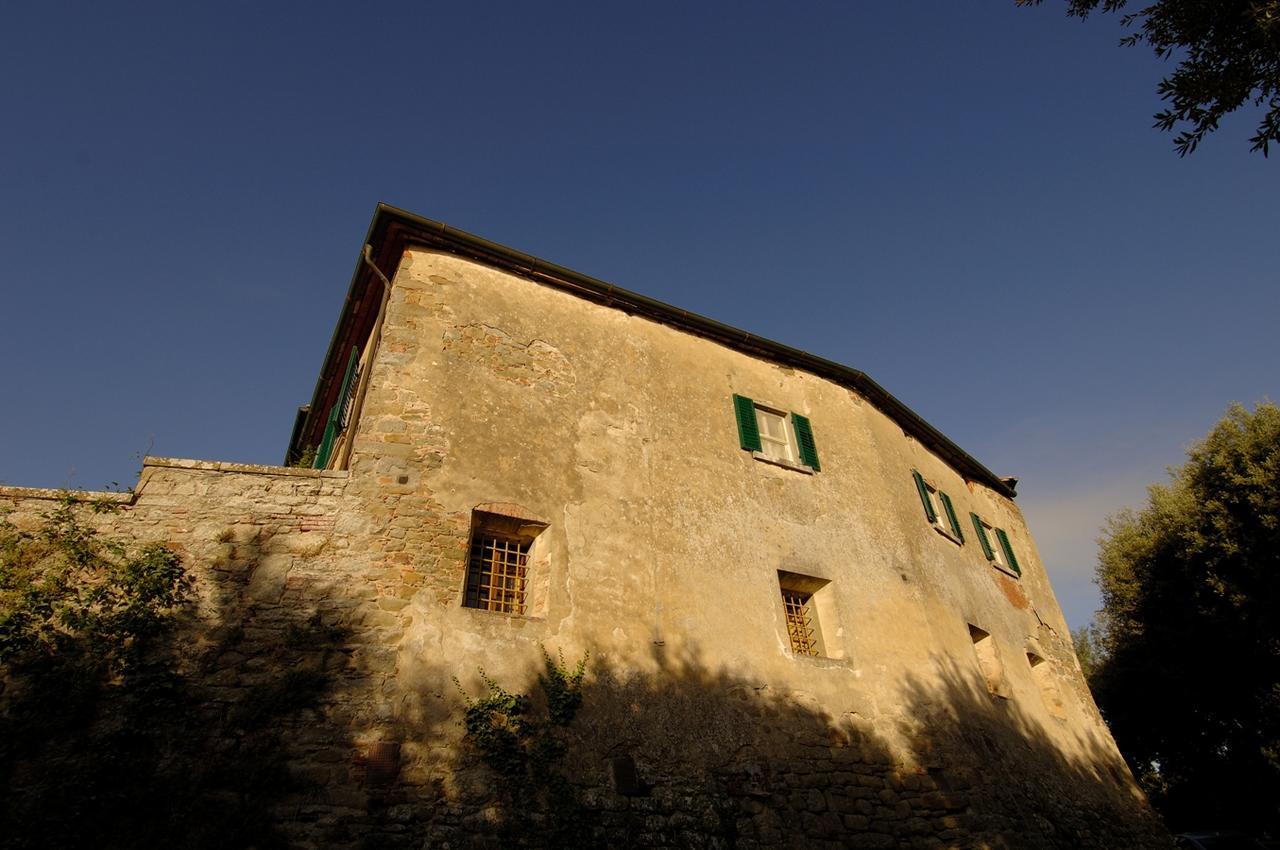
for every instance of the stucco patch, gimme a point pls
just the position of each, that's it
(535, 363)
(1012, 591)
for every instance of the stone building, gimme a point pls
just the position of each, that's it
(809, 618)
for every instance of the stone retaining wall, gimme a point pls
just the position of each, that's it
(310, 713)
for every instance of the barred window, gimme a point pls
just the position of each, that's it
(800, 624)
(497, 573)
(502, 573)
(807, 604)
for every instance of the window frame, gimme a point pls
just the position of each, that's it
(939, 509)
(753, 440)
(801, 619)
(788, 440)
(512, 596)
(1046, 678)
(990, 662)
(826, 644)
(518, 533)
(998, 551)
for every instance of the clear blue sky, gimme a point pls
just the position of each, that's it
(966, 201)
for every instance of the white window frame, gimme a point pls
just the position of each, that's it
(999, 559)
(786, 445)
(791, 447)
(941, 523)
(997, 550)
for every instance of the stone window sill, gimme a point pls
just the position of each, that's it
(822, 661)
(797, 467)
(948, 535)
(1010, 573)
(499, 615)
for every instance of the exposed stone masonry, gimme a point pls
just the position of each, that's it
(726, 764)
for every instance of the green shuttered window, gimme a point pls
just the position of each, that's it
(1008, 551)
(923, 490)
(951, 515)
(336, 421)
(748, 432)
(981, 530)
(766, 432)
(938, 509)
(999, 553)
(804, 441)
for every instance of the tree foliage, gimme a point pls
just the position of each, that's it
(69, 596)
(1228, 54)
(1187, 668)
(115, 729)
(1085, 640)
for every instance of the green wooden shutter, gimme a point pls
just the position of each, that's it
(331, 425)
(924, 497)
(804, 440)
(348, 385)
(1008, 551)
(982, 537)
(951, 515)
(326, 443)
(748, 430)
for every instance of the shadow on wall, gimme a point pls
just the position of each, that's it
(190, 746)
(283, 720)
(690, 756)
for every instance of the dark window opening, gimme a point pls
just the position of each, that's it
(497, 573)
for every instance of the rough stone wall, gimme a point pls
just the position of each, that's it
(660, 556)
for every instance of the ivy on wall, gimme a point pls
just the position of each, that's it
(521, 737)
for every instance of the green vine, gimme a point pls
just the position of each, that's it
(522, 739)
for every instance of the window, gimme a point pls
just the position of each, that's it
(339, 417)
(938, 509)
(984, 647)
(497, 570)
(1000, 554)
(807, 604)
(1042, 672)
(775, 442)
(776, 436)
(801, 628)
(498, 563)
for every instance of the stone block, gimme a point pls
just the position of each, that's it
(267, 578)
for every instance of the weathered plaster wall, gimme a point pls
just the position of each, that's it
(660, 559)
(664, 538)
(619, 432)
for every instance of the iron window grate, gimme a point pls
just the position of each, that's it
(800, 622)
(497, 572)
